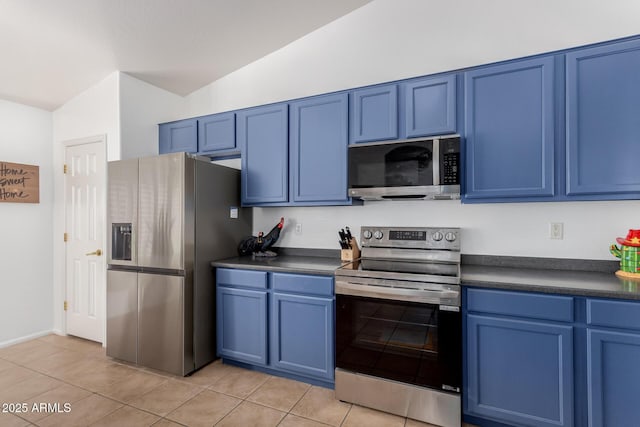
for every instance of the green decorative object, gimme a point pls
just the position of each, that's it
(629, 254)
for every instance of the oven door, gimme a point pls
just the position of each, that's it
(415, 343)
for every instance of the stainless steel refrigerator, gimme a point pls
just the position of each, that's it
(169, 216)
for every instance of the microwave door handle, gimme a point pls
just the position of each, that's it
(436, 161)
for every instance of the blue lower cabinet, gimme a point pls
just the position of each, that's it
(612, 360)
(519, 371)
(613, 378)
(519, 358)
(302, 338)
(242, 325)
(281, 323)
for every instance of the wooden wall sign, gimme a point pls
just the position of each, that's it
(19, 183)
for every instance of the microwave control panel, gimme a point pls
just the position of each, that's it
(450, 169)
(450, 161)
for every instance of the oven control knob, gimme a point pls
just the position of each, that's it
(377, 234)
(366, 234)
(437, 236)
(450, 236)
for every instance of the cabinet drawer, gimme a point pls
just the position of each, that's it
(536, 306)
(303, 284)
(244, 278)
(614, 314)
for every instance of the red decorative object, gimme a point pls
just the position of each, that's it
(632, 239)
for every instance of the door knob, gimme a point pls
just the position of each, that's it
(97, 252)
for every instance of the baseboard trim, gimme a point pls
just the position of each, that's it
(25, 338)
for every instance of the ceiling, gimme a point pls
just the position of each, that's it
(52, 50)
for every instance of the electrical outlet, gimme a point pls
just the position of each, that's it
(298, 228)
(556, 230)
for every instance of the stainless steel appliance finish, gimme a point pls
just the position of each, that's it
(421, 168)
(163, 342)
(163, 187)
(399, 398)
(168, 217)
(122, 315)
(398, 324)
(122, 206)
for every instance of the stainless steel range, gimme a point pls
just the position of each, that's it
(399, 326)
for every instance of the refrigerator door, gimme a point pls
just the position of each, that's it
(122, 315)
(122, 212)
(161, 322)
(161, 212)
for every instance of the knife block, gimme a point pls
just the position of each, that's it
(350, 254)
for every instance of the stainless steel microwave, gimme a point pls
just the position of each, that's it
(408, 169)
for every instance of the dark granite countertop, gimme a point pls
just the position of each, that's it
(284, 263)
(559, 276)
(582, 283)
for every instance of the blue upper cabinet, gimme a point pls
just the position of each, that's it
(179, 136)
(510, 130)
(318, 147)
(430, 106)
(603, 120)
(374, 113)
(262, 135)
(217, 132)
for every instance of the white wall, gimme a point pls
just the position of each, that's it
(394, 39)
(93, 112)
(520, 229)
(142, 107)
(388, 40)
(26, 249)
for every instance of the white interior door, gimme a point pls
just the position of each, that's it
(85, 224)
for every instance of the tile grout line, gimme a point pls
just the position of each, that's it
(65, 382)
(89, 354)
(346, 415)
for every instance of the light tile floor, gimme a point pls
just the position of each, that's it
(39, 377)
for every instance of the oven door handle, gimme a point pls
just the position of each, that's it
(445, 297)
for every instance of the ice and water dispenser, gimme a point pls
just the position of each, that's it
(121, 241)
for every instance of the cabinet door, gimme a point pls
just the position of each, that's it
(374, 113)
(603, 120)
(302, 335)
(519, 371)
(242, 325)
(430, 106)
(179, 136)
(612, 378)
(263, 138)
(318, 147)
(510, 138)
(217, 132)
